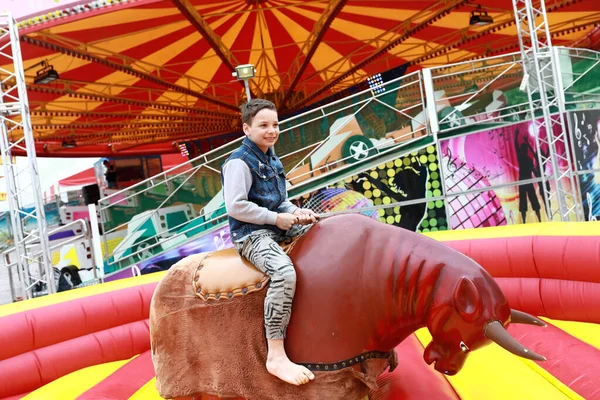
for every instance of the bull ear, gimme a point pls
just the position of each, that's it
(467, 300)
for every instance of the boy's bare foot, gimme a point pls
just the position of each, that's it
(279, 364)
(289, 372)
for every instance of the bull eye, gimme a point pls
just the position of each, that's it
(464, 347)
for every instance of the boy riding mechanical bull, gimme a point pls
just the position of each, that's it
(358, 288)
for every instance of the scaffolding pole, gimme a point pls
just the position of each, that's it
(32, 250)
(543, 82)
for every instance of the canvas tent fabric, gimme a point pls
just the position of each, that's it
(87, 176)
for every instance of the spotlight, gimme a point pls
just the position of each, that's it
(480, 17)
(69, 144)
(45, 75)
(246, 71)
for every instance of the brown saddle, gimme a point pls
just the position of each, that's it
(224, 274)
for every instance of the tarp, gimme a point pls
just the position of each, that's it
(87, 177)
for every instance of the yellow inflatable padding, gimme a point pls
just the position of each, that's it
(586, 332)
(492, 373)
(73, 385)
(539, 229)
(147, 392)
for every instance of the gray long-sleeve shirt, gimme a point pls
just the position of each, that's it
(238, 180)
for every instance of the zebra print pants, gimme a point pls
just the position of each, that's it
(262, 249)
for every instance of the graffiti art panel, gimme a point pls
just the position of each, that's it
(480, 169)
(411, 177)
(586, 144)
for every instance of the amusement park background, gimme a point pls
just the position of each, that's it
(412, 113)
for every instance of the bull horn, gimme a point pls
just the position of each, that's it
(519, 317)
(496, 332)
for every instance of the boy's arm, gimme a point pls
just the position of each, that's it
(237, 182)
(287, 206)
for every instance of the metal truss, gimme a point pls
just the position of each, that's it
(28, 227)
(542, 78)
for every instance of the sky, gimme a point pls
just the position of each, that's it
(51, 170)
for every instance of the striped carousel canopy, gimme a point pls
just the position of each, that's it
(139, 77)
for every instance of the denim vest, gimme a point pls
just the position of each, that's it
(268, 185)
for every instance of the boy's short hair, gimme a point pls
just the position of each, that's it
(251, 108)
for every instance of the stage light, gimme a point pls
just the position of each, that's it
(246, 71)
(45, 75)
(183, 150)
(376, 84)
(480, 17)
(69, 144)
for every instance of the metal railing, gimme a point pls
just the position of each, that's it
(80, 234)
(332, 140)
(468, 97)
(472, 93)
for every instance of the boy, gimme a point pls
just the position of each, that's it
(260, 216)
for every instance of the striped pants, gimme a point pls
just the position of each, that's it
(262, 249)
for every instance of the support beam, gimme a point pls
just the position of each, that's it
(139, 137)
(310, 46)
(188, 10)
(542, 77)
(457, 39)
(120, 100)
(501, 48)
(126, 69)
(122, 126)
(92, 116)
(29, 229)
(107, 89)
(404, 31)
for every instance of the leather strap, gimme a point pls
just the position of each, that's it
(391, 355)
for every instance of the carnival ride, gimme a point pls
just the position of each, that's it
(94, 342)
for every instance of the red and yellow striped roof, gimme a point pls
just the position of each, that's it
(136, 76)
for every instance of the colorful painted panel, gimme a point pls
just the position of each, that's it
(412, 177)
(479, 169)
(586, 145)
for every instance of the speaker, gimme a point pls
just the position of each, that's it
(91, 194)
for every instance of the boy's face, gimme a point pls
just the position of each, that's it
(264, 129)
